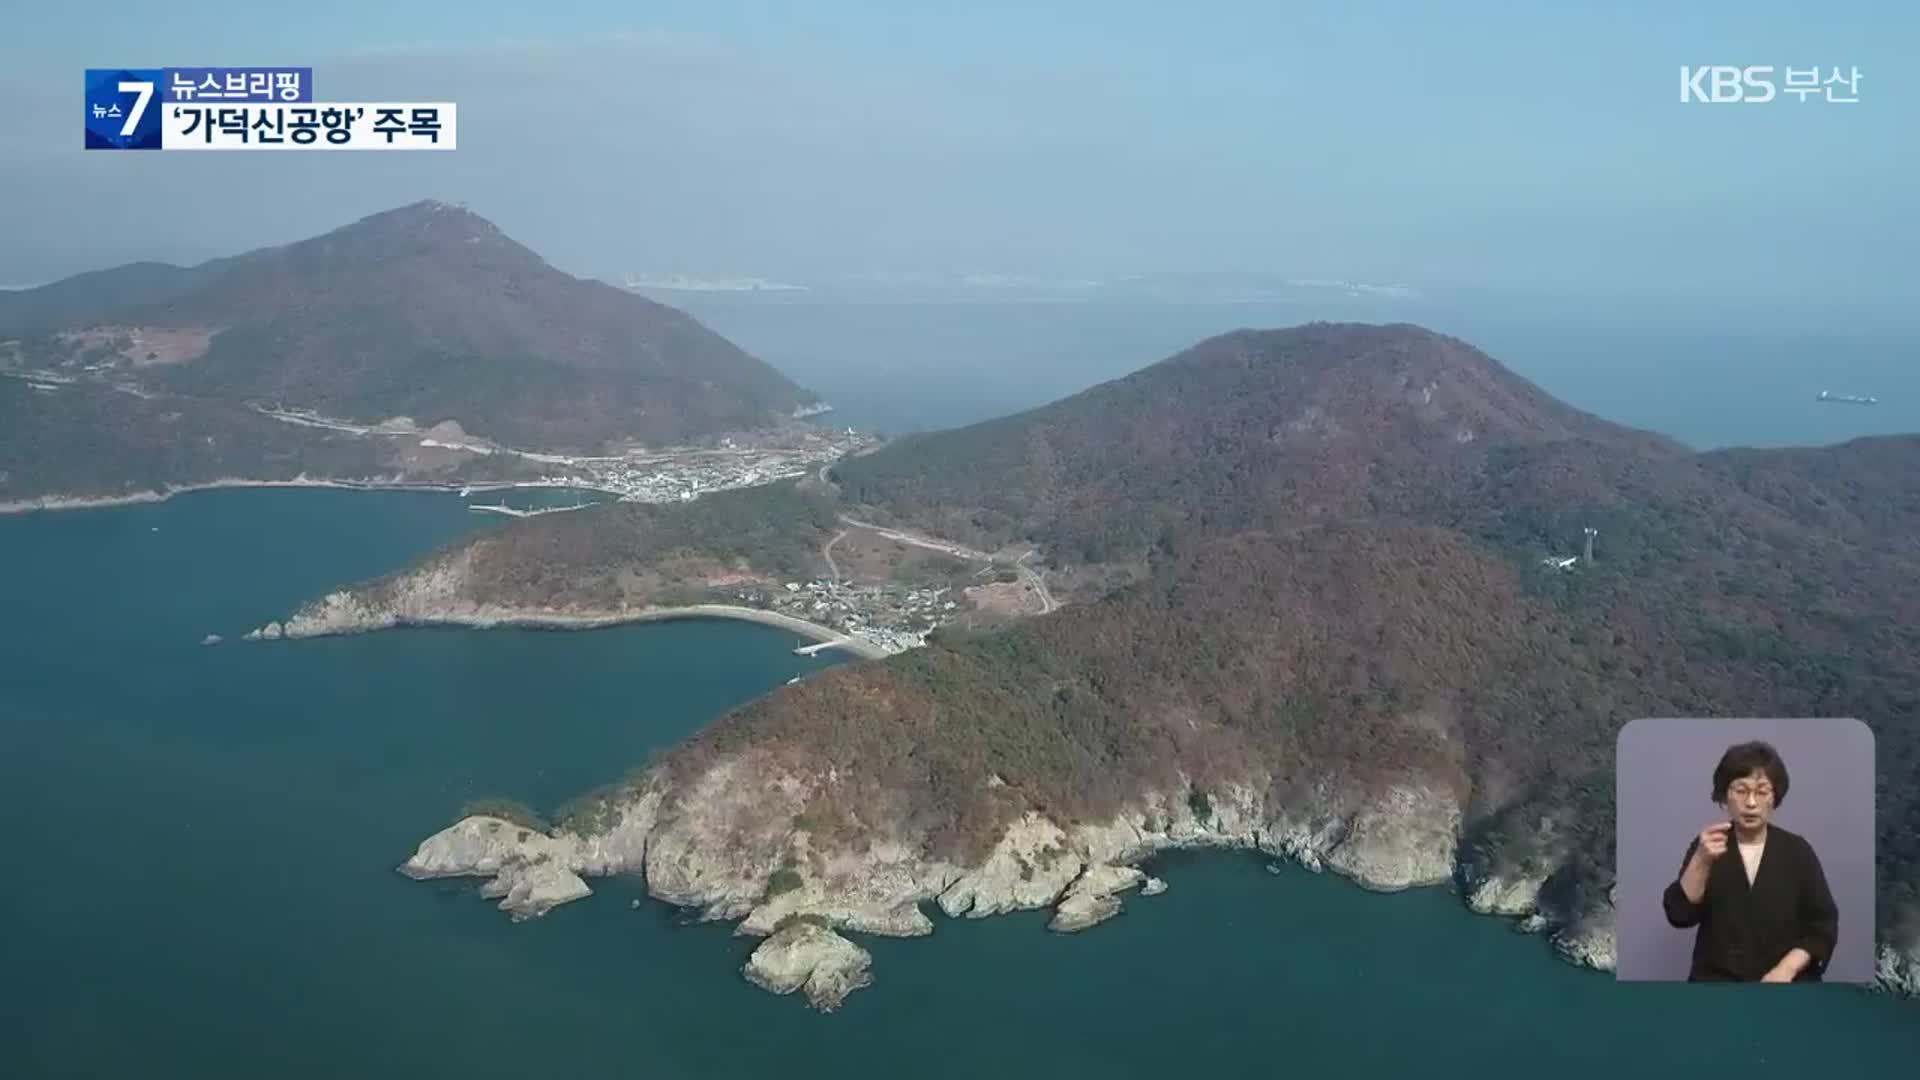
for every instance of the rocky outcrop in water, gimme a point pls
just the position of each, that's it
(532, 872)
(807, 955)
(1094, 897)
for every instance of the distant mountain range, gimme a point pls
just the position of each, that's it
(428, 312)
(1323, 601)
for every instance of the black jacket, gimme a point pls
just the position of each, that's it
(1746, 929)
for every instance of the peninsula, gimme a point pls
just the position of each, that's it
(1308, 592)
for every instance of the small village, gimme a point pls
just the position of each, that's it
(684, 474)
(892, 618)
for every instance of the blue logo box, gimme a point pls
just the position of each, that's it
(124, 104)
(123, 108)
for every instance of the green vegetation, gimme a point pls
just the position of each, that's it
(785, 879)
(86, 438)
(592, 814)
(597, 811)
(803, 918)
(518, 813)
(1197, 802)
(661, 553)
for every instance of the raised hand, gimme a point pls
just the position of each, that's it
(1713, 840)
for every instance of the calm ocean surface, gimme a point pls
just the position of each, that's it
(201, 842)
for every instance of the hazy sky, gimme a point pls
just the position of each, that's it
(1445, 144)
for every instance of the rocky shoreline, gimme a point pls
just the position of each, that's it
(348, 612)
(701, 850)
(675, 841)
(153, 495)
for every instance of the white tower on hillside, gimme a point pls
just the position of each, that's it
(1591, 533)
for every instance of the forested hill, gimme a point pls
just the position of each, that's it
(427, 311)
(1239, 431)
(1343, 652)
(1341, 590)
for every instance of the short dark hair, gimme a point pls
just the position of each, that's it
(1742, 760)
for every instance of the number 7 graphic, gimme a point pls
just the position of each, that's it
(145, 90)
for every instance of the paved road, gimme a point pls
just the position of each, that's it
(1027, 573)
(918, 540)
(1039, 584)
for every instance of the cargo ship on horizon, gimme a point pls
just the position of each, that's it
(1847, 399)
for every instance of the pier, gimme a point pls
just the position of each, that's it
(809, 650)
(514, 511)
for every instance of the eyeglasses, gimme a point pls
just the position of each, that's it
(1755, 794)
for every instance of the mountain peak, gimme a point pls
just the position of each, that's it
(1252, 427)
(417, 227)
(426, 209)
(429, 310)
(1380, 381)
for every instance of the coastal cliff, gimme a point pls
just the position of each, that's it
(728, 849)
(444, 590)
(732, 858)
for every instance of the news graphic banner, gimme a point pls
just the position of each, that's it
(250, 108)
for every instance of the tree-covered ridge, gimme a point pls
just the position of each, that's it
(636, 554)
(1341, 536)
(427, 311)
(1372, 646)
(430, 311)
(1240, 431)
(91, 439)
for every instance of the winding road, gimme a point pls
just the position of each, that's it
(833, 569)
(1027, 573)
